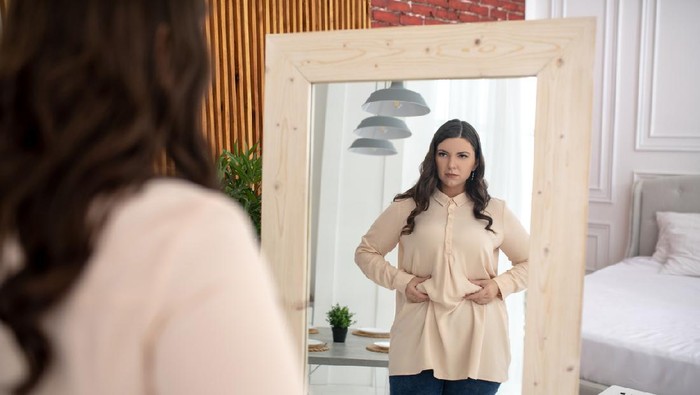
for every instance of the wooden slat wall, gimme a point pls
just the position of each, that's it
(236, 32)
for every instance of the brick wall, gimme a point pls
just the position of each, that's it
(431, 12)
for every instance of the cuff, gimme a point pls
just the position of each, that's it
(401, 281)
(505, 287)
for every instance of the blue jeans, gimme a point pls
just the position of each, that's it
(424, 383)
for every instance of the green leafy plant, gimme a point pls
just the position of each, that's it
(240, 174)
(340, 316)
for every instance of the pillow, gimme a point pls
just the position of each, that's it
(679, 243)
(663, 220)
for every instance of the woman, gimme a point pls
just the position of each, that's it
(114, 280)
(450, 332)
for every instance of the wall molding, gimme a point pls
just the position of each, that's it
(599, 241)
(557, 8)
(601, 190)
(647, 138)
(648, 175)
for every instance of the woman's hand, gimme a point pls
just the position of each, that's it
(489, 291)
(412, 293)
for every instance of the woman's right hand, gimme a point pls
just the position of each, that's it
(413, 294)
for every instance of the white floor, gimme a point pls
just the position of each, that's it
(348, 380)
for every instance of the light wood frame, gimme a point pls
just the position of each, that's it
(559, 52)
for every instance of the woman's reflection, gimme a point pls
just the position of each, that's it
(450, 331)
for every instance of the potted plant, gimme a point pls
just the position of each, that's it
(340, 319)
(240, 174)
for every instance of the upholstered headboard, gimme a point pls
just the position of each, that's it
(676, 193)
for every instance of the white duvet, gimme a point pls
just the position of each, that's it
(641, 329)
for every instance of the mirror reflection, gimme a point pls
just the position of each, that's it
(349, 190)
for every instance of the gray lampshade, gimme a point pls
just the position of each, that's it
(372, 147)
(381, 127)
(396, 101)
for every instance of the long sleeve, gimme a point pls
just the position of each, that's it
(516, 246)
(223, 331)
(381, 238)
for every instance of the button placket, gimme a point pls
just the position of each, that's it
(448, 228)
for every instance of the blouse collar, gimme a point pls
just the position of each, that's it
(444, 200)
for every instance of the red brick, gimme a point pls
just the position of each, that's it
(518, 1)
(459, 5)
(422, 9)
(400, 6)
(509, 6)
(499, 15)
(376, 24)
(431, 21)
(468, 18)
(439, 3)
(379, 3)
(479, 10)
(408, 20)
(446, 14)
(494, 3)
(388, 17)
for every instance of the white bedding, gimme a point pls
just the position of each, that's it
(641, 329)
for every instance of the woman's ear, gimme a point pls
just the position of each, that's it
(162, 55)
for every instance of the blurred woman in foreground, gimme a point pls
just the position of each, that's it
(114, 280)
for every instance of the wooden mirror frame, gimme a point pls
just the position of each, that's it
(559, 52)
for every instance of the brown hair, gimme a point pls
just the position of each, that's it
(85, 111)
(476, 187)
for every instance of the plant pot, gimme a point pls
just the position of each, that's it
(339, 334)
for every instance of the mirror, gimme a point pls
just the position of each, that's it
(559, 53)
(349, 190)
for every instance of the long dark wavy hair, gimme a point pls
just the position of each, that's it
(92, 94)
(476, 187)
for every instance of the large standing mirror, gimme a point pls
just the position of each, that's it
(557, 52)
(349, 190)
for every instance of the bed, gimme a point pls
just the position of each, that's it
(641, 317)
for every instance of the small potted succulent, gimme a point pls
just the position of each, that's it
(340, 319)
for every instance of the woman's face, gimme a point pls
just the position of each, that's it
(455, 160)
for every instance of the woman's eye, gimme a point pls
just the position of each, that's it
(442, 154)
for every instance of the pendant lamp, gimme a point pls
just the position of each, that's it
(382, 127)
(396, 101)
(372, 147)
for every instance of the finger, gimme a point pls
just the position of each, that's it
(475, 295)
(421, 279)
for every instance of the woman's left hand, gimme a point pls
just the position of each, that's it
(489, 291)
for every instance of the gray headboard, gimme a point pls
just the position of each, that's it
(675, 193)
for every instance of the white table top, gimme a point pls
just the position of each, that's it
(351, 353)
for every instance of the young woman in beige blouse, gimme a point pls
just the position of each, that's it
(450, 331)
(114, 280)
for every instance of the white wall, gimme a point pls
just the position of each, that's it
(646, 104)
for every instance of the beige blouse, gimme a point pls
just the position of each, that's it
(176, 299)
(455, 337)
